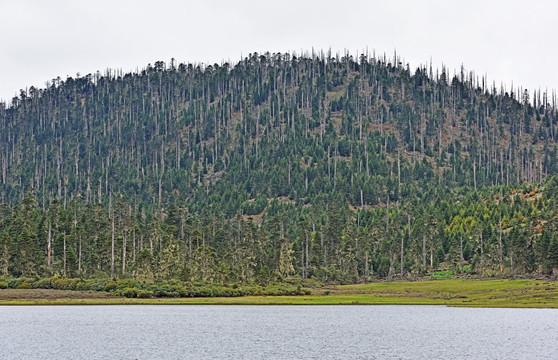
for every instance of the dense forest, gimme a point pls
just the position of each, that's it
(337, 169)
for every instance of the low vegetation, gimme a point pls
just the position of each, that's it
(449, 292)
(172, 289)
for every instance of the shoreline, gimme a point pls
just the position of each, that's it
(453, 293)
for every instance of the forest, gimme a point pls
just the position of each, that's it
(328, 168)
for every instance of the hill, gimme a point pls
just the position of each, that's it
(335, 168)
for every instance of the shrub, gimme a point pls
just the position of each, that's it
(165, 291)
(144, 294)
(24, 285)
(81, 285)
(97, 285)
(133, 289)
(42, 284)
(181, 290)
(126, 283)
(128, 292)
(14, 283)
(62, 283)
(111, 286)
(442, 274)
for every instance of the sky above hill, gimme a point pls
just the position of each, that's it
(509, 41)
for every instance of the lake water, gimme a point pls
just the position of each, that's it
(276, 332)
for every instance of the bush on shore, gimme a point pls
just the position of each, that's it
(136, 289)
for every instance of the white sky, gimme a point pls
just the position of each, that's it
(507, 40)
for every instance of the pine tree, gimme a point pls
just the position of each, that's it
(552, 254)
(5, 244)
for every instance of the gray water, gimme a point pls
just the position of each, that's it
(276, 332)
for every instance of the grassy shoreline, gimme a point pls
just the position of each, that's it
(454, 292)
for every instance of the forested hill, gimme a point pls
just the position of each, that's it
(303, 146)
(271, 126)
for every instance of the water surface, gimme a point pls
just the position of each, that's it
(276, 332)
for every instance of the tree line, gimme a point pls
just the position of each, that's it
(493, 232)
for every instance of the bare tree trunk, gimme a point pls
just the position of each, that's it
(387, 215)
(424, 251)
(475, 173)
(49, 244)
(64, 254)
(366, 265)
(392, 258)
(189, 250)
(403, 244)
(79, 256)
(134, 245)
(461, 253)
(124, 254)
(398, 173)
(306, 263)
(112, 250)
(203, 256)
(323, 247)
(500, 255)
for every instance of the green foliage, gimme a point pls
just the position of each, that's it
(275, 168)
(25, 285)
(135, 289)
(552, 256)
(442, 274)
(129, 292)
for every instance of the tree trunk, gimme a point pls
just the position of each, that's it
(424, 251)
(79, 256)
(306, 259)
(64, 254)
(500, 255)
(387, 215)
(124, 254)
(461, 253)
(112, 250)
(49, 244)
(366, 265)
(134, 245)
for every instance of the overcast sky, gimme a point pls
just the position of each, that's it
(510, 41)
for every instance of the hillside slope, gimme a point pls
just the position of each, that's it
(270, 126)
(320, 166)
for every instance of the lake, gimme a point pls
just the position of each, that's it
(276, 332)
